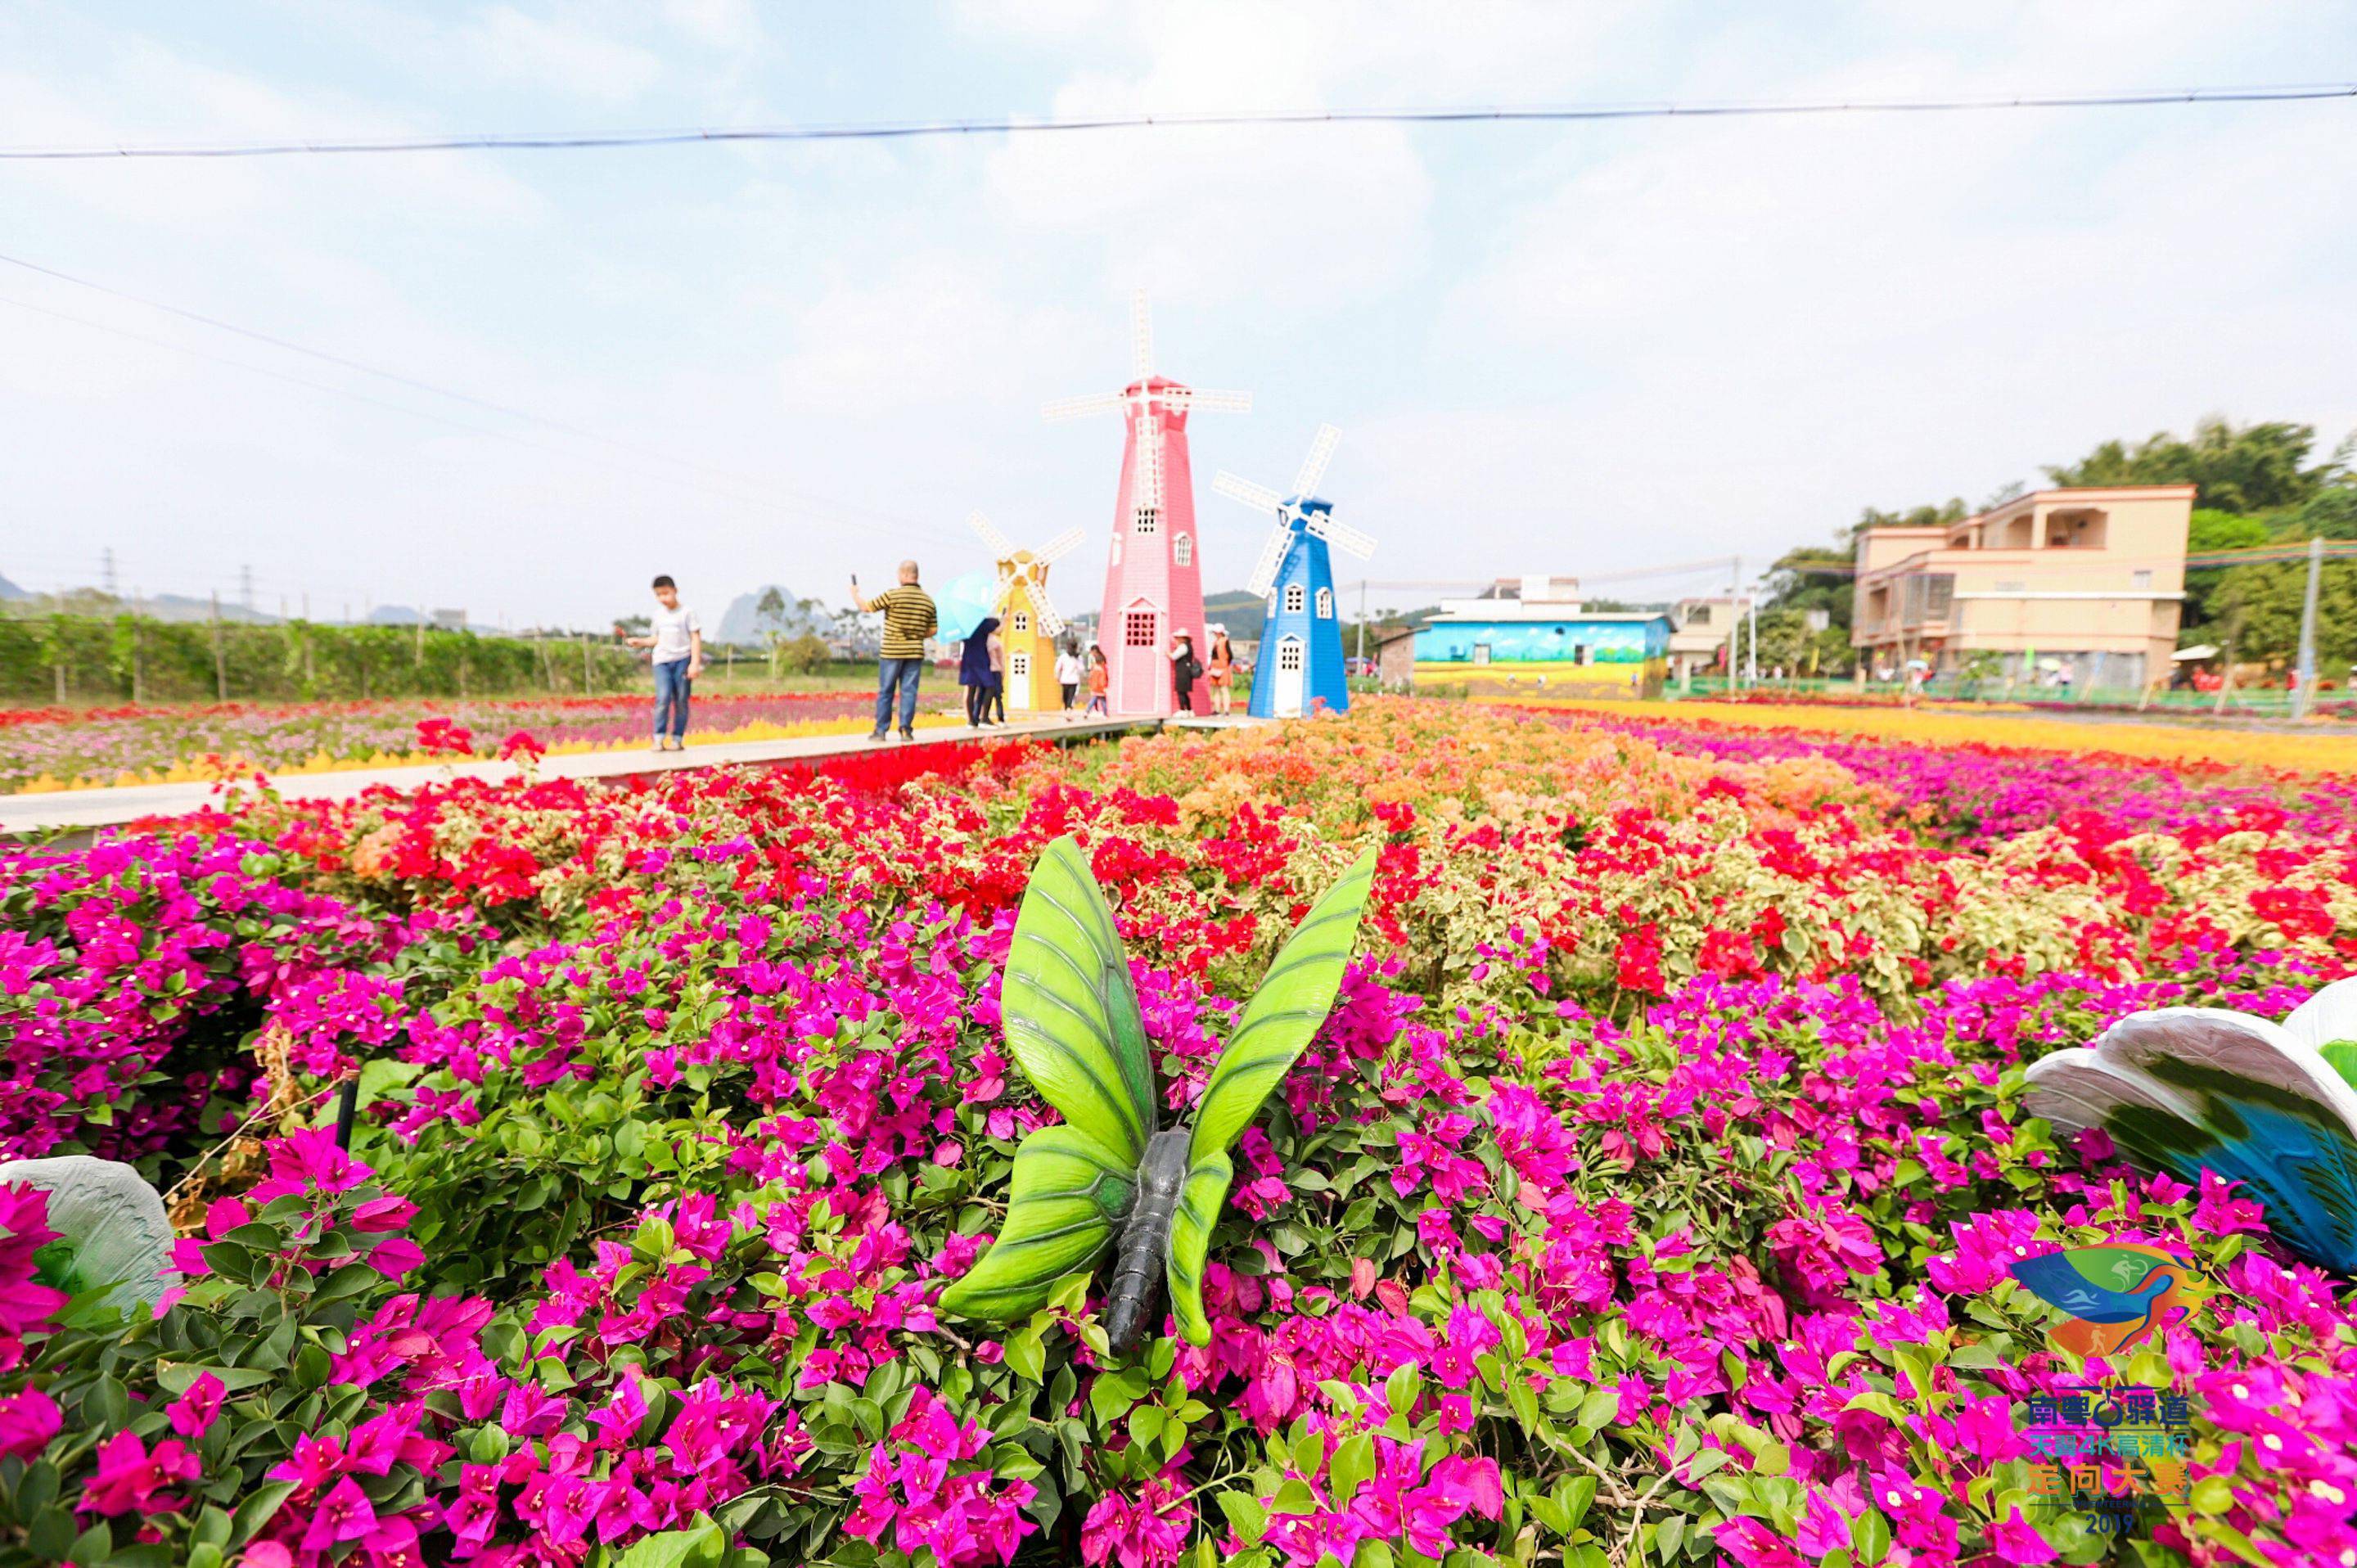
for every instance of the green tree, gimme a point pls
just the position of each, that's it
(2238, 469)
(2213, 530)
(2259, 608)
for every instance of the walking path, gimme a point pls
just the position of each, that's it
(91, 809)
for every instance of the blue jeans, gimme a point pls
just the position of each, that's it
(671, 699)
(902, 673)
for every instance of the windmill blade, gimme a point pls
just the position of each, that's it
(1260, 498)
(1000, 545)
(1199, 400)
(1149, 461)
(1056, 549)
(1313, 468)
(1262, 581)
(1141, 337)
(1051, 621)
(1080, 407)
(1341, 535)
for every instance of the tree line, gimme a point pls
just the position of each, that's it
(77, 656)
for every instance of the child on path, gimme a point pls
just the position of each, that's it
(677, 639)
(1100, 682)
(1068, 672)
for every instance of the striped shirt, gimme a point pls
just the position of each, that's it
(908, 619)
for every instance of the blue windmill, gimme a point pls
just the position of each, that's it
(1300, 640)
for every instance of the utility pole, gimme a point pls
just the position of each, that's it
(245, 587)
(1735, 637)
(584, 663)
(138, 642)
(106, 570)
(221, 666)
(2303, 698)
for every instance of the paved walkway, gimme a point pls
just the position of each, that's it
(91, 809)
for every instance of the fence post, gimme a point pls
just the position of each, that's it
(138, 648)
(220, 667)
(584, 663)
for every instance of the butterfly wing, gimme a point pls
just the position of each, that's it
(2328, 1021)
(1069, 1192)
(111, 1227)
(1277, 1024)
(2185, 1090)
(1069, 1009)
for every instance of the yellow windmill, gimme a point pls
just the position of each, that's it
(1028, 625)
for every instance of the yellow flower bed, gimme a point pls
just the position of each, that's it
(2326, 752)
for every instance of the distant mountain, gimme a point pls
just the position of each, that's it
(394, 615)
(181, 607)
(743, 622)
(1240, 612)
(9, 590)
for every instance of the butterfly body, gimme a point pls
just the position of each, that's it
(1145, 1238)
(1109, 1172)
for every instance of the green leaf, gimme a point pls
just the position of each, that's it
(1069, 1192)
(1353, 1464)
(256, 1509)
(1027, 1355)
(1870, 1533)
(700, 1545)
(1200, 1202)
(1245, 1515)
(1283, 1015)
(1071, 1011)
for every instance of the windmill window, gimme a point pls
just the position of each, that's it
(1021, 621)
(1325, 604)
(1020, 666)
(1137, 629)
(1289, 655)
(1295, 600)
(1182, 549)
(1150, 519)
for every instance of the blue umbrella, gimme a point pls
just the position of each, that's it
(962, 603)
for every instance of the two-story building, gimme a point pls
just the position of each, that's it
(2083, 584)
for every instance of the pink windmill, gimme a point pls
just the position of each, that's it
(1154, 582)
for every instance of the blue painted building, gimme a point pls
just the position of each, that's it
(1539, 649)
(1301, 666)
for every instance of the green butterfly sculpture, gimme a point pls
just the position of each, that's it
(1072, 1024)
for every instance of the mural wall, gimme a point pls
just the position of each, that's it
(1573, 658)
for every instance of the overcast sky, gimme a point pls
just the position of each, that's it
(1578, 348)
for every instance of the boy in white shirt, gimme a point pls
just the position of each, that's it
(677, 639)
(1068, 672)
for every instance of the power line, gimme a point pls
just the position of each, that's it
(833, 510)
(906, 130)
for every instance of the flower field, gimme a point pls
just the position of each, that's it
(62, 749)
(1644, 1199)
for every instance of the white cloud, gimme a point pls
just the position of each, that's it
(928, 332)
(562, 56)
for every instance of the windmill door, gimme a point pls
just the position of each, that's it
(1143, 671)
(1289, 661)
(1019, 680)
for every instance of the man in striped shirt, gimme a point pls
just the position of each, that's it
(908, 619)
